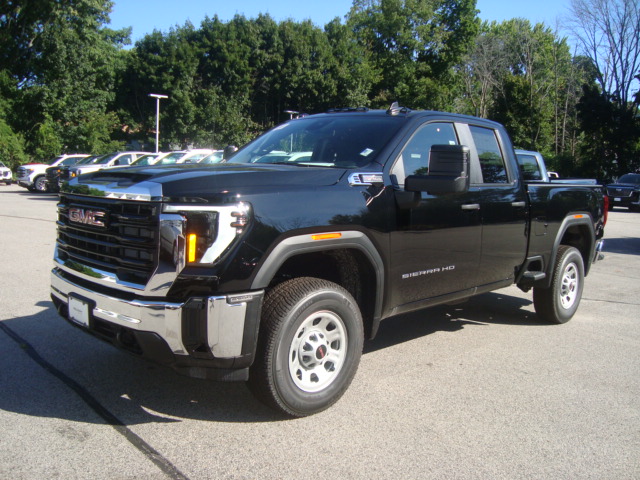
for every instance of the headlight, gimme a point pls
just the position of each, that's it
(207, 232)
(201, 233)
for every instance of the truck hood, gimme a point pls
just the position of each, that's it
(207, 183)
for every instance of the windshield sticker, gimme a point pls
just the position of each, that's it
(366, 152)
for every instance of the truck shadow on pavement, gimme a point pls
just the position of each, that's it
(488, 308)
(52, 370)
(133, 390)
(627, 246)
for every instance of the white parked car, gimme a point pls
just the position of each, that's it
(185, 156)
(5, 174)
(116, 159)
(33, 176)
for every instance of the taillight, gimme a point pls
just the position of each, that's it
(606, 210)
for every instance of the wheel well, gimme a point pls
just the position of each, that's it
(346, 267)
(578, 236)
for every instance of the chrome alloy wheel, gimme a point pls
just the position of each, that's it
(570, 285)
(317, 352)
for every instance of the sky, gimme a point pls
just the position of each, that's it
(144, 16)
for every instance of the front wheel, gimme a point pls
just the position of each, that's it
(40, 184)
(559, 302)
(309, 348)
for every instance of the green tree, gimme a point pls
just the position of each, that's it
(352, 68)
(63, 62)
(46, 143)
(611, 144)
(11, 146)
(414, 44)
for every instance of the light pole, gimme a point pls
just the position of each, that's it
(158, 97)
(292, 113)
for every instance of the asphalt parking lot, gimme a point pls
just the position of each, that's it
(479, 390)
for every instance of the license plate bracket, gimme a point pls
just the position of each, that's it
(79, 311)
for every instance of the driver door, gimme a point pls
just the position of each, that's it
(436, 241)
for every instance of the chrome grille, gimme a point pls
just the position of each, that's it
(619, 191)
(127, 244)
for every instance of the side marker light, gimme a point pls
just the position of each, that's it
(191, 247)
(325, 236)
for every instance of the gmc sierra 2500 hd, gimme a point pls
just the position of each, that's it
(273, 266)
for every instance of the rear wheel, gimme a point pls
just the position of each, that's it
(309, 348)
(559, 302)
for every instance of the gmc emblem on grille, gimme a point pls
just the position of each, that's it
(94, 218)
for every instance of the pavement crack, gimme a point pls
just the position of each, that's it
(147, 450)
(614, 302)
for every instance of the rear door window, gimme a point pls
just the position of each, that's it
(492, 163)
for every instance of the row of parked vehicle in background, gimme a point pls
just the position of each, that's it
(5, 174)
(42, 177)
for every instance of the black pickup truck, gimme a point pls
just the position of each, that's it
(274, 266)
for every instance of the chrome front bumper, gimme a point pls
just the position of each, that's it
(225, 326)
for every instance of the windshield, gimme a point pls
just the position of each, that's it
(346, 141)
(630, 178)
(145, 160)
(88, 160)
(69, 161)
(171, 158)
(215, 157)
(105, 159)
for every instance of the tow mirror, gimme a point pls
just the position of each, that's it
(448, 171)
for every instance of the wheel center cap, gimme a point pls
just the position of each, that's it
(321, 352)
(313, 350)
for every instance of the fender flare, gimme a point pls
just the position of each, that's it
(576, 219)
(301, 244)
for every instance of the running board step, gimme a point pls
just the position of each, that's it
(531, 277)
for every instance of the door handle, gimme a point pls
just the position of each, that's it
(471, 206)
(518, 204)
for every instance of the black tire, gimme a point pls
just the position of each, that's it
(309, 348)
(559, 302)
(40, 184)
